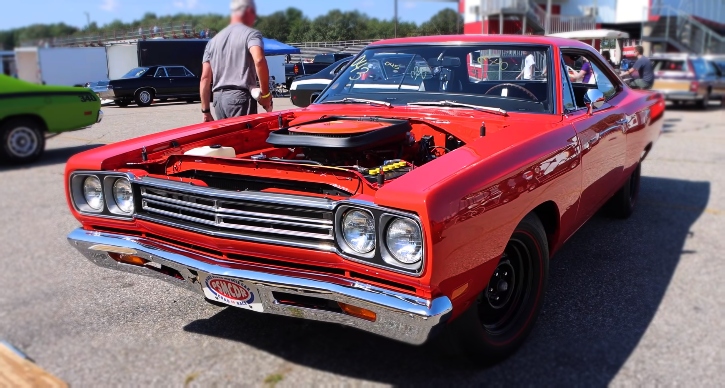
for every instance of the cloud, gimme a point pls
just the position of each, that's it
(109, 5)
(186, 4)
(409, 5)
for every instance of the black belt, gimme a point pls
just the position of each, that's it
(228, 89)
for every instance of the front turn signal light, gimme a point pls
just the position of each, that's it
(128, 259)
(358, 312)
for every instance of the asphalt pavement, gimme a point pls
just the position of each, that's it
(639, 302)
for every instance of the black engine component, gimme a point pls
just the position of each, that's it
(425, 147)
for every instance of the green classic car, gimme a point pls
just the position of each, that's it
(28, 112)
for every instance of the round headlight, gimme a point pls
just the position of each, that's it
(93, 192)
(123, 195)
(405, 241)
(358, 230)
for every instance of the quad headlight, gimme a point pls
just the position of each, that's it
(404, 241)
(380, 237)
(358, 231)
(123, 195)
(102, 194)
(93, 192)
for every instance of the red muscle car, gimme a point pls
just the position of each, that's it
(409, 200)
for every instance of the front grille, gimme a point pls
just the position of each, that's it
(253, 216)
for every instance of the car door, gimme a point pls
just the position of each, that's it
(181, 81)
(161, 82)
(602, 139)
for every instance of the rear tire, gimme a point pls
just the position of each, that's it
(23, 140)
(623, 202)
(705, 102)
(504, 313)
(144, 97)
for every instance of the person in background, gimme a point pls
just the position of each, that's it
(585, 74)
(608, 57)
(201, 34)
(527, 71)
(231, 61)
(643, 67)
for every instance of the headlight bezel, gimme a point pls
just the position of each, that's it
(110, 209)
(388, 254)
(380, 257)
(347, 245)
(109, 186)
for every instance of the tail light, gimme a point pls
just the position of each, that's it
(694, 86)
(296, 69)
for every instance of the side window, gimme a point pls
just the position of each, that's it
(589, 72)
(160, 72)
(604, 84)
(188, 73)
(567, 92)
(175, 71)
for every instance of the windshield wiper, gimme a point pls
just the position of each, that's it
(359, 101)
(488, 109)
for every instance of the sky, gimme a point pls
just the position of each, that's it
(20, 13)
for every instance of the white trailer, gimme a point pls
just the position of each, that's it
(69, 66)
(121, 57)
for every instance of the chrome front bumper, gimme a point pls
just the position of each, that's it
(402, 317)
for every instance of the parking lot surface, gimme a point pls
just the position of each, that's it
(630, 303)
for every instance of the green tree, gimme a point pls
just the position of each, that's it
(444, 22)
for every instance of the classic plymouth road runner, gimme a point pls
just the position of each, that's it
(411, 198)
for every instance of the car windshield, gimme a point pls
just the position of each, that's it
(136, 72)
(512, 77)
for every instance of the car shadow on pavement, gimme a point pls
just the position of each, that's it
(605, 286)
(52, 156)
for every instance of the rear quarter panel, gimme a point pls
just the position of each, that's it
(60, 111)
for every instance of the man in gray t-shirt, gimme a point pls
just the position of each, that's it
(233, 60)
(644, 69)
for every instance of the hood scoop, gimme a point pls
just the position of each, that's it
(341, 133)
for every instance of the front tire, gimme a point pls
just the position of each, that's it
(23, 140)
(144, 97)
(504, 313)
(623, 202)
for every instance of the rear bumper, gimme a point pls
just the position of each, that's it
(399, 316)
(107, 94)
(680, 95)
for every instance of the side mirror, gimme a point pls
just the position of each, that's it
(314, 96)
(593, 99)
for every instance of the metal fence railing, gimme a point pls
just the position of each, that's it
(182, 31)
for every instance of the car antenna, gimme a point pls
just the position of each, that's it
(483, 129)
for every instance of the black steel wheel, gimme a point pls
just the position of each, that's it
(504, 313)
(23, 140)
(623, 202)
(144, 97)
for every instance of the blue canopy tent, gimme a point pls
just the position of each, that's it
(274, 47)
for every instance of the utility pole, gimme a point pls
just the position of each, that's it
(547, 22)
(88, 20)
(395, 16)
